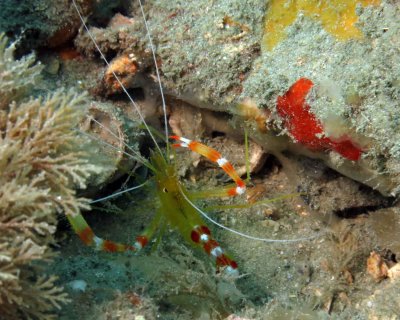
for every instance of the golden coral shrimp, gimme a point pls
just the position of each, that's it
(177, 208)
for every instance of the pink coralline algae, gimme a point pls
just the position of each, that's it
(305, 128)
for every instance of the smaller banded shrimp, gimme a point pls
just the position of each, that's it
(176, 205)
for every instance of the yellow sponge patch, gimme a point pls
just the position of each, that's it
(337, 17)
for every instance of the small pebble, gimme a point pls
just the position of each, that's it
(78, 285)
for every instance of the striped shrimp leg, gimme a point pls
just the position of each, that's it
(88, 237)
(201, 236)
(214, 156)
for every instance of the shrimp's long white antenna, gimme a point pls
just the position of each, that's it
(115, 75)
(153, 51)
(118, 193)
(244, 235)
(140, 160)
(137, 154)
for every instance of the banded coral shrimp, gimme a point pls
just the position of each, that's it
(178, 208)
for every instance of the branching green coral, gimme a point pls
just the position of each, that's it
(42, 161)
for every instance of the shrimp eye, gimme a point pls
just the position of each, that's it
(165, 190)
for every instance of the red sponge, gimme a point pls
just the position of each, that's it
(305, 128)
